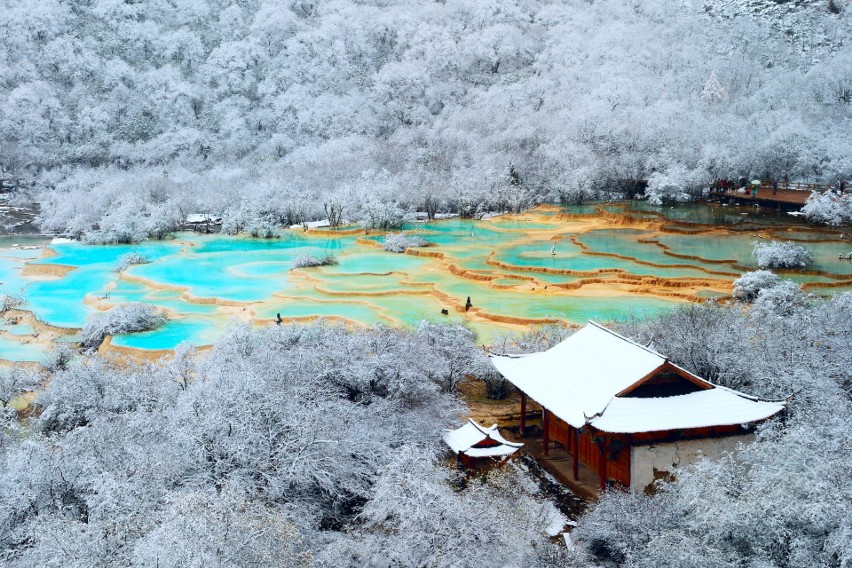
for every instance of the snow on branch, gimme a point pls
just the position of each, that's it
(400, 242)
(124, 318)
(747, 286)
(309, 260)
(125, 261)
(782, 254)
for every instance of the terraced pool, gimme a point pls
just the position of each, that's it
(551, 264)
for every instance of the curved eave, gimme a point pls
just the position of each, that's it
(702, 409)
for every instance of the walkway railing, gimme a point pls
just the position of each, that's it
(799, 186)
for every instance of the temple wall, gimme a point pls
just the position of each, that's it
(651, 462)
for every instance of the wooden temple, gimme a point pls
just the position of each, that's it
(623, 410)
(474, 444)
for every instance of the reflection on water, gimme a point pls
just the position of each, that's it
(593, 261)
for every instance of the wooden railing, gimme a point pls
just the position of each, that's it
(799, 186)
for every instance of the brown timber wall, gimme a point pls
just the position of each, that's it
(589, 450)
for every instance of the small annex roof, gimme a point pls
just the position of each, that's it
(579, 381)
(468, 440)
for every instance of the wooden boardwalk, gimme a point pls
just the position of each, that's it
(793, 196)
(764, 194)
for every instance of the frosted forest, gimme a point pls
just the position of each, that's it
(320, 444)
(127, 116)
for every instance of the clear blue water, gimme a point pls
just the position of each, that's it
(12, 349)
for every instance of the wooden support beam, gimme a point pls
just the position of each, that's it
(576, 454)
(523, 428)
(602, 467)
(545, 431)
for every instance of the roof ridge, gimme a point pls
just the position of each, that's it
(493, 430)
(481, 428)
(628, 340)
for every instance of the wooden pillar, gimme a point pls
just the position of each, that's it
(545, 431)
(523, 429)
(576, 454)
(602, 467)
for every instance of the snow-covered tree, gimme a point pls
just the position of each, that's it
(713, 91)
(400, 242)
(309, 260)
(747, 286)
(124, 318)
(781, 254)
(829, 208)
(498, 521)
(261, 450)
(340, 111)
(129, 259)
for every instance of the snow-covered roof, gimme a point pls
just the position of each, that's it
(464, 440)
(202, 218)
(321, 224)
(714, 407)
(579, 379)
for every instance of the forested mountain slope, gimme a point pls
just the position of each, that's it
(186, 104)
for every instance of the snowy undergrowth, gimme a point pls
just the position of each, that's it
(286, 446)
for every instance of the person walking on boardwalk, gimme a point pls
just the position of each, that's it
(468, 304)
(774, 187)
(278, 319)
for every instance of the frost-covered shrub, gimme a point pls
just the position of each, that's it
(713, 91)
(264, 227)
(784, 298)
(16, 381)
(117, 235)
(747, 286)
(399, 242)
(9, 302)
(457, 354)
(416, 519)
(496, 386)
(125, 318)
(829, 208)
(676, 184)
(59, 359)
(384, 216)
(781, 254)
(537, 338)
(129, 259)
(309, 260)
(235, 220)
